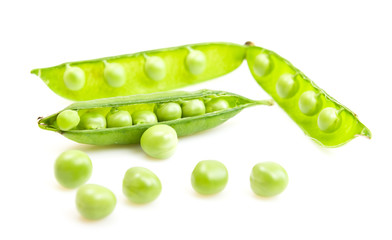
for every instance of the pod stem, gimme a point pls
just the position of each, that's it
(269, 102)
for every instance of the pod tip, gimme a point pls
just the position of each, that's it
(366, 132)
(35, 71)
(249, 43)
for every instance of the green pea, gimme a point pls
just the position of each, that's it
(72, 168)
(159, 141)
(209, 177)
(144, 117)
(196, 62)
(95, 202)
(168, 111)
(114, 74)
(67, 120)
(268, 179)
(141, 185)
(328, 120)
(118, 118)
(74, 78)
(309, 103)
(261, 64)
(286, 86)
(193, 107)
(92, 120)
(216, 104)
(155, 68)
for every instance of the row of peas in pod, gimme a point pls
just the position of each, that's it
(73, 169)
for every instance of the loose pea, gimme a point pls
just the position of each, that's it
(216, 104)
(193, 107)
(114, 74)
(72, 168)
(74, 78)
(159, 141)
(92, 120)
(286, 86)
(155, 68)
(328, 120)
(268, 179)
(261, 64)
(118, 118)
(209, 177)
(94, 201)
(168, 111)
(309, 103)
(141, 185)
(144, 117)
(196, 62)
(67, 120)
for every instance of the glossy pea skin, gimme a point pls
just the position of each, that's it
(144, 117)
(196, 62)
(118, 118)
(114, 74)
(328, 120)
(155, 68)
(74, 78)
(261, 64)
(193, 107)
(67, 120)
(168, 111)
(92, 120)
(268, 179)
(95, 202)
(159, 141)
(286, 86)
(141, 185)
(216, 104)
(209, 177)
(72, 168)
(309, 103)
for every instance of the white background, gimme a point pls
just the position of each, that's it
(342, 193)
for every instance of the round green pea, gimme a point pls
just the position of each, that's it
(309, 103)
(141, 185)
(261, 64)
(328, 120)
(268, 179)
(94, 201)
(74, 78)
(209, 177)
(159, 141)
(72, 168)
(155, 68)
(168, 111)
(144, 117)
(114, 74)
(193, 107)
(286, 86)
(67, 119)
(216, 104)
(118, 118)
(196, 62)
(92, 120)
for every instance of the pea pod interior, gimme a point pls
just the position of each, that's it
(132, 134)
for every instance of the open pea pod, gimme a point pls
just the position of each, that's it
(217, 107)
(143, 72)
(319, 115)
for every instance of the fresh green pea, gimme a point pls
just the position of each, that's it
(92, 120)
(196, 62)
(309, 103)
(328, 120)
(169, 111)
(114, 74)
(95, 202)
(209, 177)
(268, 179)
(144, 117)
(141, 185)
(118, 118)
(216, 104)
(67, 120)
(193, 107)
(286, 86)
(74, 78)
(159, 141)
(72, 168)
(155, 68)
(261, 65)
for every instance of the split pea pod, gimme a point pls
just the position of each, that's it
(199, 110)
(143, 72)
(319, 115)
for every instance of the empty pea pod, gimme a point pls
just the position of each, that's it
(319, 115)
(143, 72)
(148, 104)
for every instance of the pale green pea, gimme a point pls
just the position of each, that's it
(309, 103)
(168, 111)
(159, 141)
(118, 118)
(286, 86)
(92, 120)
(196, 62)
(155, 68)
(216, 104)
(114, 74)
(209, 177)
(268, 179)
(141, 185)
(74, 78)
(144, 117)
(261, 64)
(328, 120)
(67, 120)
(193, 107)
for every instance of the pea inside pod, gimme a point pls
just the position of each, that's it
(151, 104)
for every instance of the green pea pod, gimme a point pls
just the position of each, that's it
(148, 102)
(143, 72)
(319, 115)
